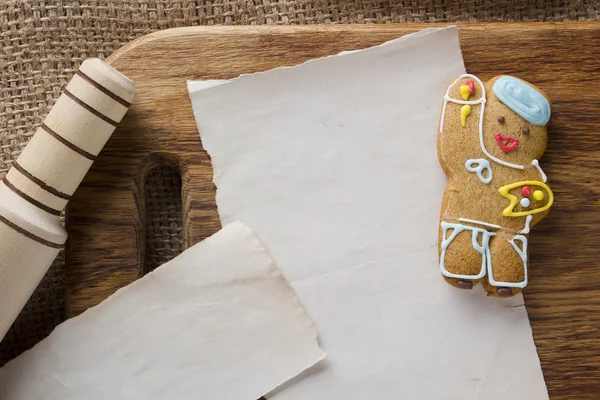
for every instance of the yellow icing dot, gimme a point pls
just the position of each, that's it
(538, 195)
(464, 113)
(464, 92)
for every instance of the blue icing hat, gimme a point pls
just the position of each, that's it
(523, 99)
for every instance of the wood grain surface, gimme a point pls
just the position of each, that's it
(106, 216)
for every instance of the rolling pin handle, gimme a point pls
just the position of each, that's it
(42, 180)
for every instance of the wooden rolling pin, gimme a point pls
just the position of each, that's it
(42, 180)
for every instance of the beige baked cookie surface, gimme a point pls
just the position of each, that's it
(496, 190)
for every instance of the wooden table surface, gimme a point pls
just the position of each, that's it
(106, 218)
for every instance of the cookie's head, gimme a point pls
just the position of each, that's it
(514, 126)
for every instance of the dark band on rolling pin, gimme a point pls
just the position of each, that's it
(30, 199)
(41, 183)
(90, 109)
(70, 145)
(30, 235)
(104, 90)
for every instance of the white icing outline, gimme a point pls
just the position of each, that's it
(474, 221)
(483, 249)
(523, 254)
(481, 101)
(536, 164)
(482, 164)
(527, 222)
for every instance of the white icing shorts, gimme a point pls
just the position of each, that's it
(484, 250)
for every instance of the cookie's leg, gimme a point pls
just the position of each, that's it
(462, 255)
(507, 272)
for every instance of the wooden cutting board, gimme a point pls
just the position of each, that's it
(106, 218)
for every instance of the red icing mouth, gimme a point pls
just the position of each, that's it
(506, 143)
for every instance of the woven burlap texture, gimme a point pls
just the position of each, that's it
(44, 42)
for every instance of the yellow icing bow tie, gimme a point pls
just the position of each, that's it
(535, 196)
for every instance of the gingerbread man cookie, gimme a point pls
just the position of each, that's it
(490, 139)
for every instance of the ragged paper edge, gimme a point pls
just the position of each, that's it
(195, 86)
(513, 305)
(273, 273)
(276, 273)
(204, 85)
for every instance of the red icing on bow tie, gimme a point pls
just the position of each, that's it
(471, 86)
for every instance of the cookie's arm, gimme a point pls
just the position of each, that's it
(527, 223)
(536, 164)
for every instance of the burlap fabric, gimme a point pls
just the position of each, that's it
(44, 42)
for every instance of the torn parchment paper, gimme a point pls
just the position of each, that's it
(217, 322)
(334, 164)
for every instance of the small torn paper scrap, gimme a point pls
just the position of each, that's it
(217, 322)
(334, 165)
